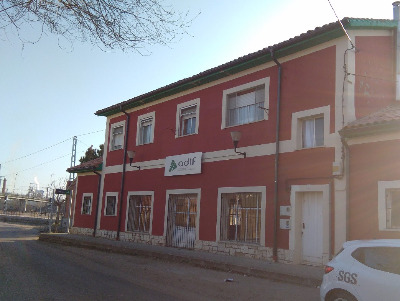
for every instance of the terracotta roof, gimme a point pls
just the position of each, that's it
(386, 119)
(93, 165)
(310, 38)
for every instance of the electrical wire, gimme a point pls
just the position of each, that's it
(46, 148)
(341, 24)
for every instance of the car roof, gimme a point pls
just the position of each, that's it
(372, 243)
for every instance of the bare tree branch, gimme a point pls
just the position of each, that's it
(108, 24)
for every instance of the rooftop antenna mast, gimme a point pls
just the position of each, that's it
(73, 157)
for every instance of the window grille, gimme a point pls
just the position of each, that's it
(87, 205)
(139, 213)
(246, 106)
(393, 209)
(188, 120)
(111, 201)
(241, 217)
(146, 130)
(118, 137)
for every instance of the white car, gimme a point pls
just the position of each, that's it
(364, 270)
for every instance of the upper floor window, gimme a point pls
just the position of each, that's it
(117, 136)
(246, 103)
(187, 121)
(145, 133)
(313, 132)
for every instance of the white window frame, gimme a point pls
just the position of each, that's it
(257, 189)
(130, 193)
(264, 81)
(297, 124)
(91, 203)
(182, 106)
(383, 187)
(111, 134)
(116, 203)
(141, 119)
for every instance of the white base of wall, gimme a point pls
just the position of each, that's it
(224, 248)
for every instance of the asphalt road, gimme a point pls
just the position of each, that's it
(33, 270)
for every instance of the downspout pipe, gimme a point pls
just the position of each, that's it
(396, 17)
(123, 171)
(98, 202)
(278, 107)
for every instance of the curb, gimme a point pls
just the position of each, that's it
(197, 262)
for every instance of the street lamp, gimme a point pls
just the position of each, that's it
(236, 138)
(131, 156)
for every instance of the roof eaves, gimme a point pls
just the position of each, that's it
(309, 39)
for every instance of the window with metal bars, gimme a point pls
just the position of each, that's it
(188, 120)
(241, 217)
(139, 212)
(111, 205)
(146, 131)
(245, 106)
(117, 137)
(393, 209)
(87, 205)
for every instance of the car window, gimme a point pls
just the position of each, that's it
(385, 259)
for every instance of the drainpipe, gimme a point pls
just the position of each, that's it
(396, 17)
(278, 105)
(347, 175)
(123, 171)
(97, 205)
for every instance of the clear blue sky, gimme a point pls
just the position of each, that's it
(48, 93)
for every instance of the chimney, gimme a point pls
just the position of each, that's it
(396, 17)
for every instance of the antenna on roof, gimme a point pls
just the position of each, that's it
(341, 24)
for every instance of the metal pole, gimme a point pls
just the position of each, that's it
(51, 212)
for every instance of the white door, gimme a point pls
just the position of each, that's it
(312, 228)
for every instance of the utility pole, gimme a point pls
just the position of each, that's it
(73, 157)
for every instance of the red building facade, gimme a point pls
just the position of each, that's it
(171, 174)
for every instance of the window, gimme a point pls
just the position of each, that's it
(313, 132)
(187, 118)
(245, 106)
(117, 139)
(245, 103)
(393, 209)
(111, 204)
(87, 204)
(188, 121)
(145, 134)
(379, 258)
(139, 213)
(241, 217)
(389, 205)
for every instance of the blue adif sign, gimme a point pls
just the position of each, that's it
(186, 164)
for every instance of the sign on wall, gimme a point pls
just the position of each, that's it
(183, 164)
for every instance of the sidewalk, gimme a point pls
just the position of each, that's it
(297, 274)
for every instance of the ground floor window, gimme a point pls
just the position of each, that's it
(139, 213)
(87, 204)
(241, 217)
(111, 204)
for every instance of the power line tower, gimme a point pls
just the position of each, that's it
(73, 157)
